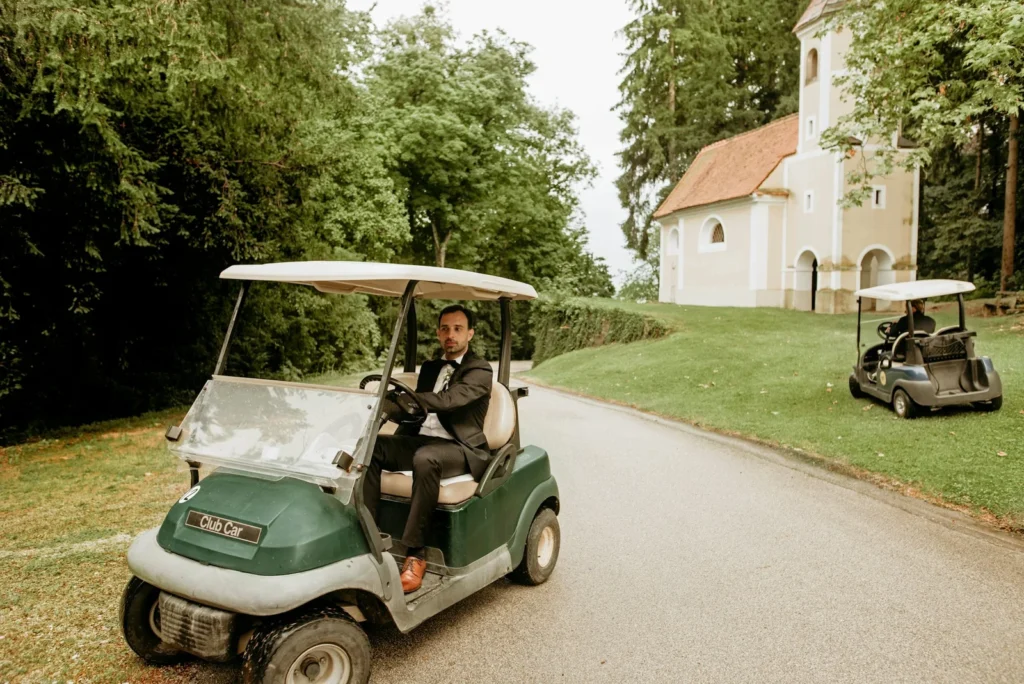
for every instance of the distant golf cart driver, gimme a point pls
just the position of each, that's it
(922, 322)
(456, 390)
(916, 368)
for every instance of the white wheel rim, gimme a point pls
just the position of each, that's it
(546, 547)
(332, 666)
(153, 618)
(901, 405)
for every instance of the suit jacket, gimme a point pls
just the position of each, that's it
(461, 407)
(922, 323)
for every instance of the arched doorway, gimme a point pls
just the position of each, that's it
(875, 269)
(805, 282)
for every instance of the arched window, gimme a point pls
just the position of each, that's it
(812, 66)
(712, 235)
(673, 241)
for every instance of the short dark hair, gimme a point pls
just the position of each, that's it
(455, 308)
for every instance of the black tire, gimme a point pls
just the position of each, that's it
(541, 553)
(993, 405)
(138, 615)
(855, 387)
(903, 405)
(314, 635)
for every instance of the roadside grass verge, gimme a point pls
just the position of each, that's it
(69, 505)
(780, 377)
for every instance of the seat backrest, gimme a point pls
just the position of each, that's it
(500, 421)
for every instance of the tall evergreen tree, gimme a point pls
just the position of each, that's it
(694, 73)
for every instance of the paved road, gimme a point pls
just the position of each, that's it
(694, 559)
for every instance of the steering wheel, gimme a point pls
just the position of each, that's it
(415, 412)
(883, 328)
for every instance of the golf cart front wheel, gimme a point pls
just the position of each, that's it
(903, 405)
(855, 390)
(321, 646)
(140, 623)
(541, 553)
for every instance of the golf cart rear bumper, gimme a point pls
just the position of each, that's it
(241, 592)
(923, 393)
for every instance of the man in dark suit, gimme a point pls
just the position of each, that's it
(922, 322)
(456, 390)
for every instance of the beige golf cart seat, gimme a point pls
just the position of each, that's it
(499, 425)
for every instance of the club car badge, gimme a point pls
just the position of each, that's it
(223, 527)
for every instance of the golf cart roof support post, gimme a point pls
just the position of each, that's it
(410, 339)
(910, 319)
(859, 307)
(231, 326)
(963, 317)
(366, 520)
(505, 361)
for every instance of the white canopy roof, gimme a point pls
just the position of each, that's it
(917, 289)
(388, 280)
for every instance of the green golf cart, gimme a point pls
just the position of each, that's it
(916, 370)
(274, 557)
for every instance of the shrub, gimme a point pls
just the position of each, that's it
(562, 325)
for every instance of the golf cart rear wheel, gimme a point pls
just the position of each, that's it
(855, 387)
(322, 646)
(903, 405)
(993, 405)
(541, 553)
(140, 623)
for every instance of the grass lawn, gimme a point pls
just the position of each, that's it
(780, 377)
(69, 507)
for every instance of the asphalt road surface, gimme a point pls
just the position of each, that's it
(688, 557)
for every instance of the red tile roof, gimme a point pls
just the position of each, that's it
(816, 10)
(734, 167)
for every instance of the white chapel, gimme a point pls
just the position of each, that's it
(756, 219)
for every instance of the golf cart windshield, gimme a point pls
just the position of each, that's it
(276, 428)
(285, 429)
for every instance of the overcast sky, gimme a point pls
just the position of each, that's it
(577, 54)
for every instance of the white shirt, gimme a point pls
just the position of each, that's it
(432, 426)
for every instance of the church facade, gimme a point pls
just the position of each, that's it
(756, 220)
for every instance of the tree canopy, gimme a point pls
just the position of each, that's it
(144, 147)
(694, 73)
(947, 75)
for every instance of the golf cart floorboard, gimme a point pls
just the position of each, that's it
(431, 583)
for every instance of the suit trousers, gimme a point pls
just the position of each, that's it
(430, 459)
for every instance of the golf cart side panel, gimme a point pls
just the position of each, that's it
(244, 592)
(300, 528)
(981, 380)
(468, 531)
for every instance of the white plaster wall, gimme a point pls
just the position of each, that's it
(712, 277)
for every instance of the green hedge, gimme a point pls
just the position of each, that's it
(562, 325)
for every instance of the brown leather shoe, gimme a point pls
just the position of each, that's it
(412, 573)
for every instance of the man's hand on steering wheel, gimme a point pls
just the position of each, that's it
(401, 405)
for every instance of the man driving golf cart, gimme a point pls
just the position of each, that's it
(278, 556)
(456, 389)
(921, 322)
(917, 368)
